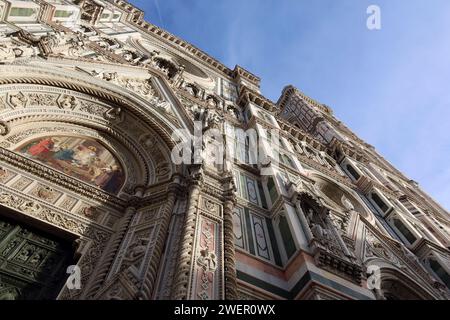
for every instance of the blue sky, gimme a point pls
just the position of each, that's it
(390, 86)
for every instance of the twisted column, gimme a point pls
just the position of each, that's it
(148, 285)
(229, 250)
(181, 279)
(107, 261)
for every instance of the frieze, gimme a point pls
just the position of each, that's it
(46, 193)
(42, 99)
(21, 183)
(211, 207)
(68, 203)
(40, 211)
(6, 175)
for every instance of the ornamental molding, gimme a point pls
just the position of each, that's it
(90, 86)
(136, 17)
(396, 254)
(247, 95)
(290, 90)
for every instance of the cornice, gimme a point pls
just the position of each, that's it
(248, 95)
(301, 135)
(136, 18)
(290, 90)
(43, 77)
(425, 243)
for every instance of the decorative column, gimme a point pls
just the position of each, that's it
(109, 257)
(186, 251)
(228, 234)
(148, 285)
(304, 222)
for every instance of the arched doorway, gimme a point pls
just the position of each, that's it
(396, 285)
(73, 155)
(33, 263)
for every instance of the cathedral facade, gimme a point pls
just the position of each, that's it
(135, 166)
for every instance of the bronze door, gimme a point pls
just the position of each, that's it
(32, 265)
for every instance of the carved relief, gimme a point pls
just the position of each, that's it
(90, 212)
(42, 99)
(5, 175)
(21, 183)
(10, 51)
(68, 102)
(374, 247)
(17, 100)
(206, 261)
(68, 203)
(92, 108)
(46, 193)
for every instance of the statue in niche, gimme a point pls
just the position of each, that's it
(165, 66)
(128, 55)
(212, 119)
(197, 111)
(317, 227)
(233, 111)
(191, 89)
(347, 204)
(211, 102)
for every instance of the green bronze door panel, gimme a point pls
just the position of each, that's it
(32, 265)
